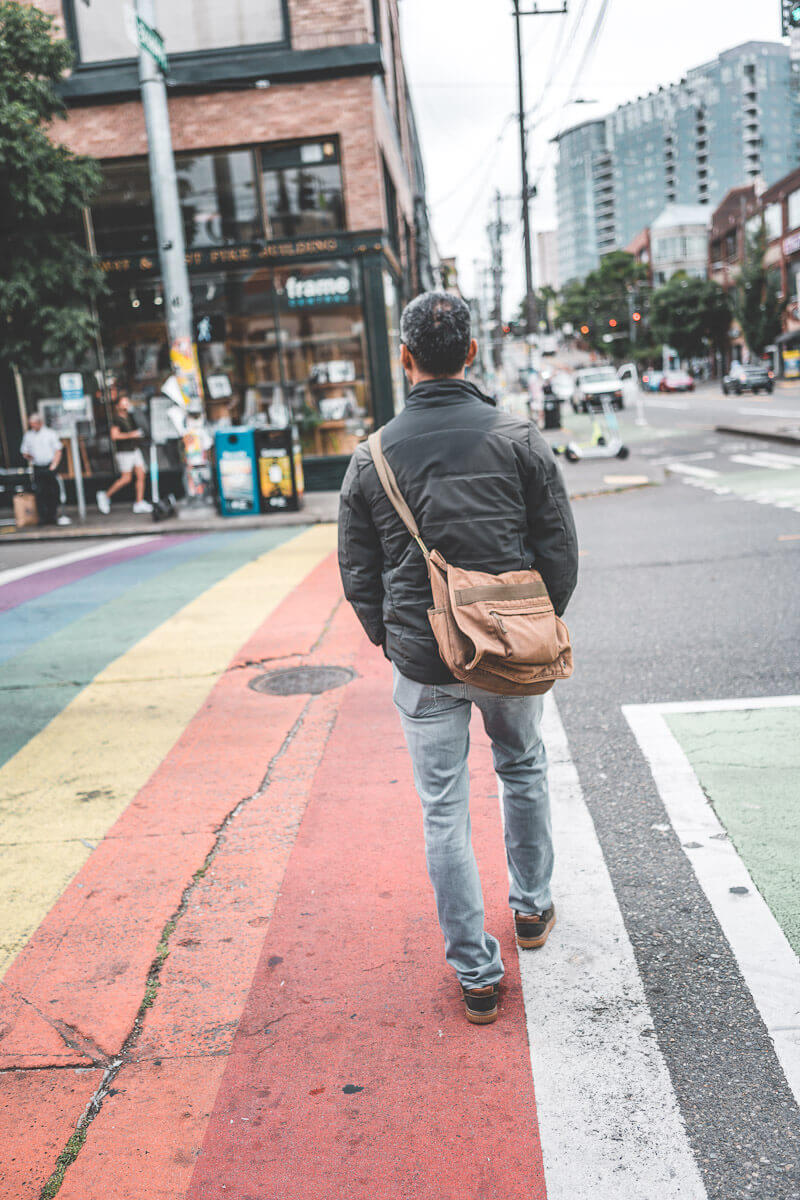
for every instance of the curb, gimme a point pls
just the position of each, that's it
(767, 435)
(78, 533)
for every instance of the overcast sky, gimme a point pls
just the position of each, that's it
(460, 60)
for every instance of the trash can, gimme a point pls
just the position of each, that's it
(234, 453)
(280, 469)
(552, 410)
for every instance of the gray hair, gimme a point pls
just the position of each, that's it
(435, 327)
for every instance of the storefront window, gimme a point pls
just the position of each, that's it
(392, 306)
(122, 214)
(275, 344)
(185, 25)
(218, 195)
(303, 188)
(793, 209)
(219, 198)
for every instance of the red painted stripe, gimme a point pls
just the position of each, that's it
(353, 1072)
(38, 1111)
(156, 1118)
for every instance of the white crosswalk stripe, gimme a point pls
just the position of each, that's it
(597, 1068)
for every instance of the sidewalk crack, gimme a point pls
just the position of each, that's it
(75, 1143)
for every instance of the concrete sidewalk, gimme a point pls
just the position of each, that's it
(583, 479)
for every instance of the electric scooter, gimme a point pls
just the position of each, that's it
(606, 441)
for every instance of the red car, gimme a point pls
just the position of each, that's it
(676, 381)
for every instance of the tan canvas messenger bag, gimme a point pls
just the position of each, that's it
(498, 632)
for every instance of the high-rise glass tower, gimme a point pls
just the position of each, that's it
(730, 121)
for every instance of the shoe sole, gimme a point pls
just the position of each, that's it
(486, 1018)
(537, 942)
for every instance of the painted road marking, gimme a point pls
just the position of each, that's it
(681, 404)
(773, 412)
(61, 560)
(763, 460)
(68, 785)
(598, 1071)
(682, 468)
(58, 610)
(769, 966)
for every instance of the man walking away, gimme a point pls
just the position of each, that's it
(485, 491)
(127, 438)
(43, 448)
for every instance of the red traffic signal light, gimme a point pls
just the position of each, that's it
(584, 329)
(613, 323)
(637, 316)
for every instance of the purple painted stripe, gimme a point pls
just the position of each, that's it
(28, 588)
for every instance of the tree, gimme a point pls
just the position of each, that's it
(602, 302)
(689, 313)
(47, 278)
(758, 304)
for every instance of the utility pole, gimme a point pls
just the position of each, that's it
(530, 298)
(496, 229)
(171, 248)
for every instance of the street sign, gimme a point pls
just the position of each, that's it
(71, 385)
(142, 34)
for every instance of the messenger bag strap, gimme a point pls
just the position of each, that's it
(389, 484)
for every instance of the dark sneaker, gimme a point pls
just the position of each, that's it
(481, 1003)
(533, 929)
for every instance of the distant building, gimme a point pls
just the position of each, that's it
(639, 247)
(738, 216)
(547, 258)
(585, 199)
(679, 242)
(728, 121)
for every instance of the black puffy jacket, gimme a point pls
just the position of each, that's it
(485, 490)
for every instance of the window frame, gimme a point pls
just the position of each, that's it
(184, 56)
(291, 143)
(255, 149)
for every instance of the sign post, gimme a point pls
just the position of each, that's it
(169, 232)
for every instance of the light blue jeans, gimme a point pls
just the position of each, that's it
(435, 721)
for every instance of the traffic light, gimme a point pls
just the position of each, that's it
(612, 322)
(637, 316)
(584, 330)
(790, 16)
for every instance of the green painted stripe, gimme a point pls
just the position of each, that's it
(37, 684)
(748, 764)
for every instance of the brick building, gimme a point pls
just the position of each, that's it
(303, 198)
(740, 213)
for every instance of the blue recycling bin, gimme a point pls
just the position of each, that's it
(235, 456)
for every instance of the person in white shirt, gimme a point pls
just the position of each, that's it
(43, 448)
(127, 439)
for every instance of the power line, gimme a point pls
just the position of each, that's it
(491, 147)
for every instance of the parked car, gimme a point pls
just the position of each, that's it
(752, 377)
(549, 344)
(651, 381)
(676, 381)
(594, 384)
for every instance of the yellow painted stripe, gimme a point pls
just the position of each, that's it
(77, 776)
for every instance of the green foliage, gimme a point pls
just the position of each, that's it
(47, 278)
(759, 308)
(607, 293)
(688, 313)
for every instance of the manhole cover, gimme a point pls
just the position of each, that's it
(297, 680)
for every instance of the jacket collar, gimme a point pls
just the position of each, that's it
(445, 391)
